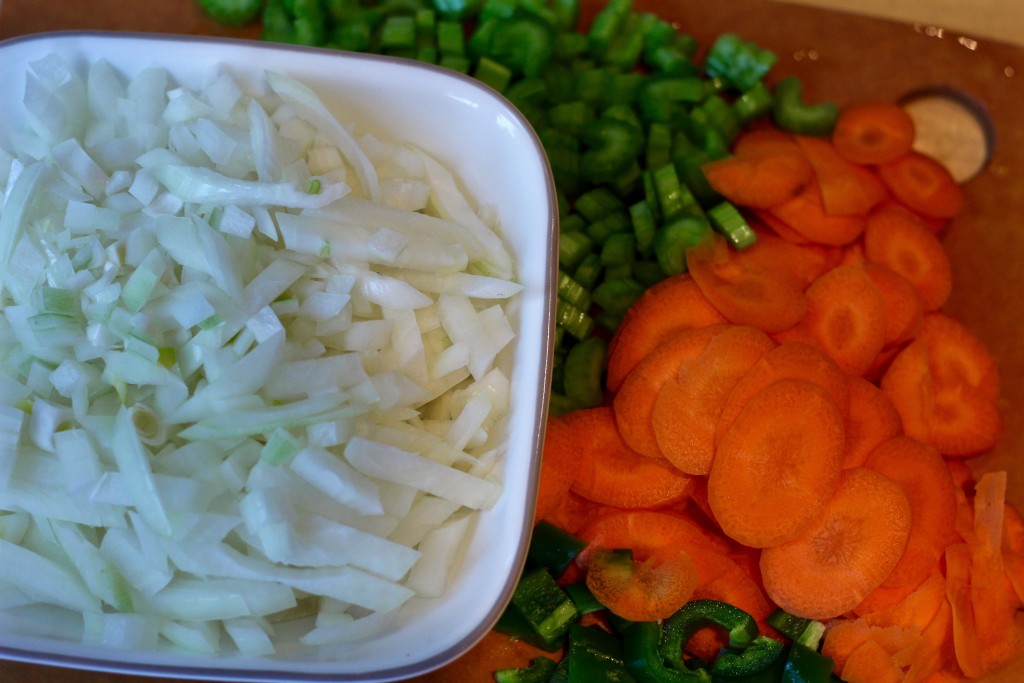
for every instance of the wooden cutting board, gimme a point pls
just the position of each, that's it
(838, 56)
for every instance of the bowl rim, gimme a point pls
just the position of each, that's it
(133, 666)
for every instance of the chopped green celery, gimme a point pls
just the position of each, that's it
(692, 175)
(623, 271)
(674, 238)
(572, 291)
(232, 12)
(567, 15)
(628, 46)
(623, 88)
(572, 117)
(560, 404)
(615, 296)
(576, 321)
(603, 228)
(727, 220)
(572, 247)
(398, 32)
(479, 43)
(584, 368)
(592, 84)
(792, 114)
(703, 134)
(524, 45)
(720, 115)
(492, 73)
(624, 112)
(455, 63)
(619, 249)
(565, 167)
(456, 10)
(659, 145)
(539, 9)
(611, 145)
(498, 9)
(660, 96)
(607, 25)
(553, 547)
(451, 40)
(644, 226)
(598, 203)
(527, 90)
(355, 35)
(589, 270)
(753, 103)
(572, 222)
(647, 273)
(569, 45)
(740, 63)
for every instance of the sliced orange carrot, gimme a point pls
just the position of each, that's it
(966, 640)
(846, 317)
(896, 238)
(647, 590)
(806, 215)
(765, 142)
(870, 663)
(923, 184)
(801, 264)
(882, 361)
(993, 600)
(787, 361)
(916, 609)
(778, 464)
(780, 228)
(611, 473)
(920, 470)
(742, 292)
(574, 512)
(649, 533)
(908, 384)
(962, 420)
(842, 637)
(634, 402)
(760, 181)
(559, 463)
(957, 355)
(494, 652)
(873, 132)
(847, 551)
(873, 420)
(672, 305)
(687, 408)
(847, 189)
(903, 308)
(929, 658)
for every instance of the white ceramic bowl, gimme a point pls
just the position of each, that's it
(495, 152)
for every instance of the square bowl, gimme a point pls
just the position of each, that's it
(498, 158)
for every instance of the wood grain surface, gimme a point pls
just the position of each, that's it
(842, 57)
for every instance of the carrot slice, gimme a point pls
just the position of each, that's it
(649, 533)
(923, 184)
(894, 237)
(611, 473)
(962, 420)
(873, 132)
(765, 142)
(760, 181)
(573, 512)
(845, 553)
(842, 637)
(634, 402)
(801, 264)
(920, 470)
(649, 590)
(786, 361)
(686, 410)
(847, 189)
(917, 609)
(846, 317)
(966, 640)
(957, 355)
(904, 310)
(929, 658)
(559, 462)
(873, 420)
(908, 384)
(777, 465)
(741, 291)
(870, 663)
(672, 305)
(806, 215)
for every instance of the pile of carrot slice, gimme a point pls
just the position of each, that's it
(793, 418)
